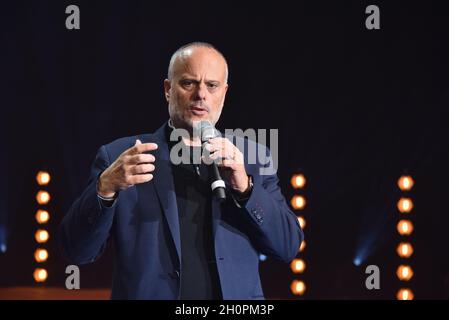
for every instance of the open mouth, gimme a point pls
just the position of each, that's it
(199, 111)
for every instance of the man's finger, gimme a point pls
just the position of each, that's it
(142, 147)
(221, 144)
(142, 168)
(217, 154)
(218, 141)
(217, 157)
(227, 163)
(224, 153)
(209, 147)
(141, 178)
(141, 158)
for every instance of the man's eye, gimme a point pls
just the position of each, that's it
(187, 83)
(212, 85)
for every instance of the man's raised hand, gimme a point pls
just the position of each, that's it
(132, 167)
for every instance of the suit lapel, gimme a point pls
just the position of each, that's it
(165, 188)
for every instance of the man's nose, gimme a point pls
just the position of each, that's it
(201, 92)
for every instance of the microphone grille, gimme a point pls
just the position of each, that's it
(208, 131)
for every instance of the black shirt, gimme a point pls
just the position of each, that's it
(199, 275)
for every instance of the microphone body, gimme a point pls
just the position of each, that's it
(216, 182)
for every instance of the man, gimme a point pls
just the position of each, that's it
(173, 239)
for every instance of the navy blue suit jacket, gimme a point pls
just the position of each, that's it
(144, 226)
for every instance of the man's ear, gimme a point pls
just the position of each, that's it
(167, 87)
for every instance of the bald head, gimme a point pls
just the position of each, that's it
(185, 52)
(197, 84)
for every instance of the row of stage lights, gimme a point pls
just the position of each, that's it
(298, 265)
(405, 228)
(42, 236)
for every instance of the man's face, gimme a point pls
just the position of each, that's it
(198, 87)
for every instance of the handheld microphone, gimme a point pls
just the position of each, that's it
(217, 184)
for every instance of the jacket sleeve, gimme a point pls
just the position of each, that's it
(84, 230)
(273, 227)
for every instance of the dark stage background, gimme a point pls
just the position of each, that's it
(355, 109)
